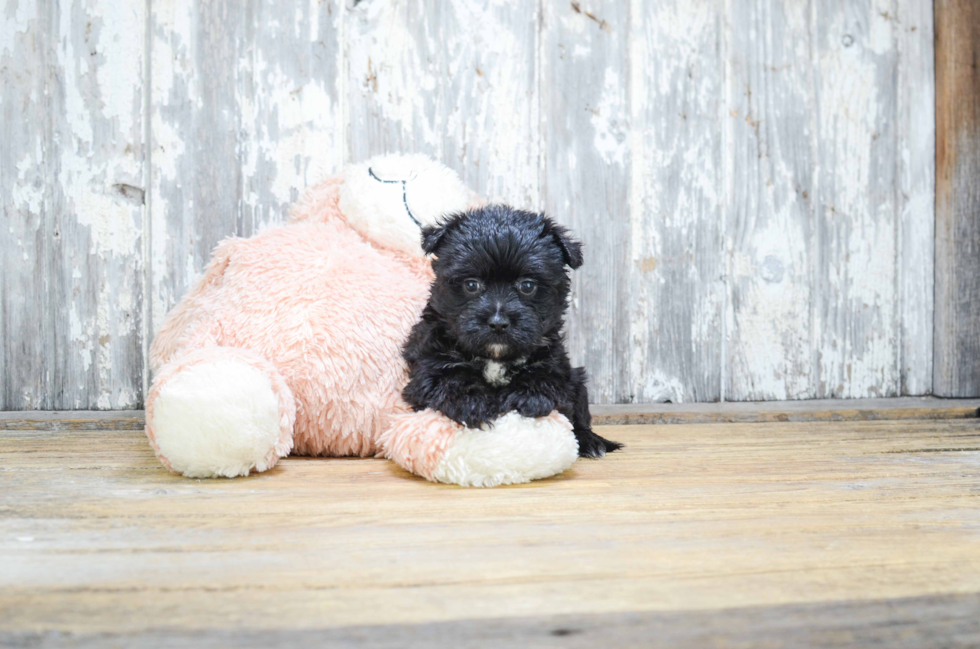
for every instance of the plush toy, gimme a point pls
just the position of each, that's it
(291, 342)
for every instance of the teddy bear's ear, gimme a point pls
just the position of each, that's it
(571, 248)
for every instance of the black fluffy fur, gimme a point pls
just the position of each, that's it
(448, 351)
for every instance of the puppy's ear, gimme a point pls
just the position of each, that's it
(432, 236)
(571, 249)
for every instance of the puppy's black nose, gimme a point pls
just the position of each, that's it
(498, 323)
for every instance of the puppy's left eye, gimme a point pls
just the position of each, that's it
(472, 286)
(527, 287)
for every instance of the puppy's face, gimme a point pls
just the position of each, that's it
(501, 280)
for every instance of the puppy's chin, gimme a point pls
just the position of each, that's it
(497, 350)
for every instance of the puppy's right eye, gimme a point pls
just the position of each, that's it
(472, 286)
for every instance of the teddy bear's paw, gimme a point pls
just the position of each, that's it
(220, 412)
(517, 449)
(514, 450)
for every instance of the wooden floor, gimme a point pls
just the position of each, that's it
(860, 533)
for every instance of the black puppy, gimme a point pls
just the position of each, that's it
(490, 339)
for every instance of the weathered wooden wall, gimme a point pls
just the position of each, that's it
(754, 179)
(72, 163)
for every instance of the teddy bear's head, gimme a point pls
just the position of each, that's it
(389, 198)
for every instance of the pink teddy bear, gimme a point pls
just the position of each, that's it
(291, 342)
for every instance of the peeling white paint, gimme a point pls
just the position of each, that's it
(883, 19)
(859, 358)
(610, 121)
(121, 35)
(676, 185)
(82, 334)
(746, 218)
(386, 63)
(462, 92)
(306, 128)
(16, 26)
(83, 119)
(657, 387)
(112, 225)
(24, 193)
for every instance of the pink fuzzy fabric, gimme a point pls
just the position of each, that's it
(417, 441)
(287, 405)
(329, 310)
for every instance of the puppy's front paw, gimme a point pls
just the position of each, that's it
(591, 445)
(472, 413)
(532, 406)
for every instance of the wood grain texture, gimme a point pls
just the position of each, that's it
(99, 539)
(915, 193)
(605, 415)
(71, 167)
(855, 267)
(769, 152)
(245, 115)
(774, 411)
(830, 292)
(585, 113)
(902, 623)
(754, 181)
(58, 420)
(957, 315)
(676, 272)
(454, 80)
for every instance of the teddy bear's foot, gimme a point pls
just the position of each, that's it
(219, 412)
(515, 450)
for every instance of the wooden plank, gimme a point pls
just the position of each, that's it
(856, 234)
(916, 192)
(957, 317)
(606, 415)
(825, 515)
(195, 184)
(830, 292)
(456, 81)
(796, 411)
(769, 125)
(912, 623)
(246, 114)
(58, 420)
(677, 261)
(585, 113)
(71, 164)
